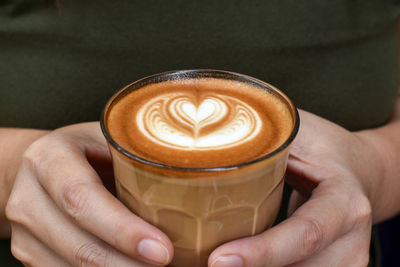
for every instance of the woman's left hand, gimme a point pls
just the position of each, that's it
(333, 172)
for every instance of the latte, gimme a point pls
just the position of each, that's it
(200, 123)
(201, 155)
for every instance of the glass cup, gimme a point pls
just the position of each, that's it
(201, 208)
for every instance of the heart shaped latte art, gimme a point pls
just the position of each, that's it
(183, 122)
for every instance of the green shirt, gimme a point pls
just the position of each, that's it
(334, 58)
(338, 59)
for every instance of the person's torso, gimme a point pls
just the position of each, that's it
(334, 58)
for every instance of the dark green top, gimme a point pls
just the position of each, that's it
(335, 58)
(338, 59)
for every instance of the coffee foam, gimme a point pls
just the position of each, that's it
(201, 123)
(175, 120)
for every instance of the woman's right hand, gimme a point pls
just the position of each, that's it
(62, 214)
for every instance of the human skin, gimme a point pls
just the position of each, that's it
(344, 183)
(61, 189)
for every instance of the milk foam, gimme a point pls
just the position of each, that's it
(181, 121)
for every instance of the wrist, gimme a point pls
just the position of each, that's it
(379, 154)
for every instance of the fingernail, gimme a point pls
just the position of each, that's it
(153, 251)
(227, 261)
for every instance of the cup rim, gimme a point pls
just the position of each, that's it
(212, 73)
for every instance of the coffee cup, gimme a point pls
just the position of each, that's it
(200, 154)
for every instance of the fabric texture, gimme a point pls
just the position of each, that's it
(339, 66)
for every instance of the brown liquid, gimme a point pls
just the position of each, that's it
(275, 118)
(207, 208)
(199, 214)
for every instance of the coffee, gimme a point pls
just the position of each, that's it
(201, 155)
(198, 122)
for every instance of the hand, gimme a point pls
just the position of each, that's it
(61, 214)
(331, 170)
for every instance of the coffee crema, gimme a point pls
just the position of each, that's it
(200, 123)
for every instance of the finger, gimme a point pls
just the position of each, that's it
(92, 141)
(350, 250)
(57, 231)
(65, 174)
(27, 249)
(296, 200)
(311, 228)
(301, 174)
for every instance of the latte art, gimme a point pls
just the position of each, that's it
(182, 121)
(199, 122)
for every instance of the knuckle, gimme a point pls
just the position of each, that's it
(19, 252)
(131, 235)
(37, 157)
(91, 254)
(12, 207)
(312, 236)
(34, 155)
(362, 260)
(75, 199)
(361, 211)
(19, 207)
(267, 254)
(18, 210)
